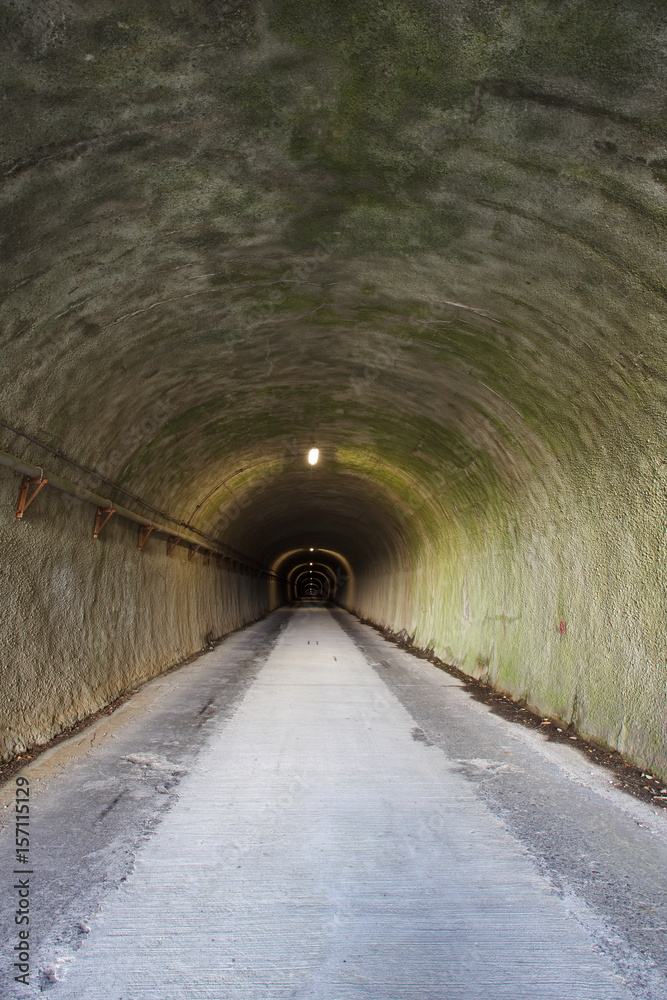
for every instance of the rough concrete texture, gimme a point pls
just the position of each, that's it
(98, 796)
(86, 620)
(316, 842)
(426, 237)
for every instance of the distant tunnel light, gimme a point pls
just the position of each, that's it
(313, 456)
(312, 549)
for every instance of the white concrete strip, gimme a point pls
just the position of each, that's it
(323, 851)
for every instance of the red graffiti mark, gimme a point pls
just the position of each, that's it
(562, 626)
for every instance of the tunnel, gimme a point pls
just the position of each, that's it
(425, 238)
(353, 312)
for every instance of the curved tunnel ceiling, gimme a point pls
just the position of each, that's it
(425, 237)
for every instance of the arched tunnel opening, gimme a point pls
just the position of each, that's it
(426, 239)
(312, 581)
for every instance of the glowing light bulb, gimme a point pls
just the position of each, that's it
(312, 549)
(313, 456)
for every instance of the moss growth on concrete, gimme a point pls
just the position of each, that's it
(427, 238)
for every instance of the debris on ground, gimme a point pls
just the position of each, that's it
(626, 776)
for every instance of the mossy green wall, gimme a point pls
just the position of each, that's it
(490, 598)
(425, 237)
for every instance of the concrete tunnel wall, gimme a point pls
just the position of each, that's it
(425, 237)
(86, 620)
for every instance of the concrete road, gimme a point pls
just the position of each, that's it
(310, 812)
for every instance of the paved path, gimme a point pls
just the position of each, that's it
(323, 848)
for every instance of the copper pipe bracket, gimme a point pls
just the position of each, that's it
(144, 533)
(101, 520)
(24, 500)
